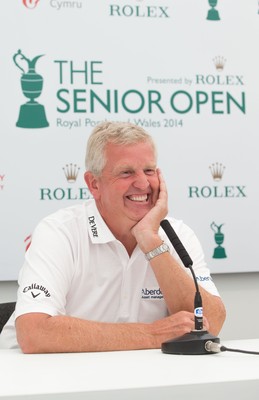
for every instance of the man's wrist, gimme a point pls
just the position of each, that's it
(162, 248)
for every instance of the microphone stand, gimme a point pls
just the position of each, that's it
(194, 342)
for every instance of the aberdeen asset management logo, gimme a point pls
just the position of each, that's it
(149, 294)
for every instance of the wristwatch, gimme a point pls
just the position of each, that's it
(163, 248)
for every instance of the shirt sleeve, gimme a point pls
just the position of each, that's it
(45, 277)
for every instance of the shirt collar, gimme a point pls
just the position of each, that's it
(97, 228)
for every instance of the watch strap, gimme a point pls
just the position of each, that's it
(163, 248)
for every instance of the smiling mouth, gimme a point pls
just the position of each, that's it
(141, 198)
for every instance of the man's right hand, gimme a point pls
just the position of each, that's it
(173, 326)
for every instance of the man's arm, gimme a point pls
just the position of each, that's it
(178, 289)
(42, 333)
(176, 285)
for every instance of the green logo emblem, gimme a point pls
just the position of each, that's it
(32, 114)
(219, 251)
(213, 15)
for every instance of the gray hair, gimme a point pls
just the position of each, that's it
(120, 133)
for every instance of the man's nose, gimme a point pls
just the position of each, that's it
(141, 181)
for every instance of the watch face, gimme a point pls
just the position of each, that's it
(165, 247)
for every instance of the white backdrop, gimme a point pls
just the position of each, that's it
(185, 70)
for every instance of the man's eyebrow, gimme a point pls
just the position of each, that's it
(131, 168)
(122, 167)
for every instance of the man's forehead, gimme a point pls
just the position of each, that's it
(127, 157)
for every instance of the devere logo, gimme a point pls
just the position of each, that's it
(32, 114)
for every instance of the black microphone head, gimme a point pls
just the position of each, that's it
(177, 244)
(165, 224)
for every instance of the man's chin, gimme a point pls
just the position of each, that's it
(137, 216)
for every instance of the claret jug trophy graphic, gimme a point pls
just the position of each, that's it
(219, 251)
(213, 14)
(32, 114)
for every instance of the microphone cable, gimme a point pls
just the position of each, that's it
(213, 347)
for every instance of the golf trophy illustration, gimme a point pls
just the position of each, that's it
(219, 251)
(213, 14)
(32, 114)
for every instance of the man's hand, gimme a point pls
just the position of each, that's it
(146, 230)
(173, 326)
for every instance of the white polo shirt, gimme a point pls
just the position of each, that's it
(75, 266)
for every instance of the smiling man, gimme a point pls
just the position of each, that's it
(126, 188)
(102, 275)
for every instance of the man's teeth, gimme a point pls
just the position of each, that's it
(138, 197)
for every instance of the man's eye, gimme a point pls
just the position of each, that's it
(126, 173)
(150, 171)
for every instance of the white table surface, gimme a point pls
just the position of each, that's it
(145, 374)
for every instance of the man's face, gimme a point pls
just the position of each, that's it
(128, 187)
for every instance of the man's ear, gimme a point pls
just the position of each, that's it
(92, 183)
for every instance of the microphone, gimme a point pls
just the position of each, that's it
(195, 341)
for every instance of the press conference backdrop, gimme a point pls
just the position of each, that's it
(186, 71)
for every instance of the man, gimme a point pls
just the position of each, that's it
(89, 281)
